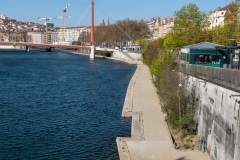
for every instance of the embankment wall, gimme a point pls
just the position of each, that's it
(216, 93)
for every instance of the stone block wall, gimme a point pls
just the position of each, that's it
(217, 97)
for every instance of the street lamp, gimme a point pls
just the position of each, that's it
(179, 100)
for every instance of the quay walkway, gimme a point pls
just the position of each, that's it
(150, 138)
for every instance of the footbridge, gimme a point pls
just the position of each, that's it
(47, 47)
(123, 55)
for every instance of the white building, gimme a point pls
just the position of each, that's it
(3, 17)
(61, 36)
(160, 27)
(40, 37)
(216, 18)
(71, 34)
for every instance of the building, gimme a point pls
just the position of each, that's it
(211, 55)
(3, 17)
(71, 34)
(160, 27)
(217, 17)
(40, 37)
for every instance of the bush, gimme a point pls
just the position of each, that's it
(187, 124)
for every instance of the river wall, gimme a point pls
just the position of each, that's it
(10, 47)
(216, 94)
(128, 56)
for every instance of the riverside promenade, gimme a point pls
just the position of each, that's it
(150, 138)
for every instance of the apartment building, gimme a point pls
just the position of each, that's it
(40, 37)
(160, 27)
(71, 34)
(217, 17)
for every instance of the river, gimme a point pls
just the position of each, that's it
(61, 106)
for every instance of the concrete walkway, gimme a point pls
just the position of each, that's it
(150, 138)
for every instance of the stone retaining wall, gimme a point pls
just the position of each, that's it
(216, 93)
(228, 78)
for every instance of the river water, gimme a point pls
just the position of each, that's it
(61, 106)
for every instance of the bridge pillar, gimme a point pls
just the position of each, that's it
(27, 49)
(92, 54)
(51, 49)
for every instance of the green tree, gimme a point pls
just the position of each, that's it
(84, 38)
(151, 52)
(121, 32)
(188, 28)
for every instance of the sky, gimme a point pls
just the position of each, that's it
(79, 11)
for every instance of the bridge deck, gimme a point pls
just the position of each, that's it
(46, 46)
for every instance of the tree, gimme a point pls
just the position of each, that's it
(151, 52)
(84, 38)
(121, 32)
(174, 40)
(189, 26)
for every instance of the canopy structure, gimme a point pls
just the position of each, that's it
(209, 54)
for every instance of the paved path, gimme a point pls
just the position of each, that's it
(150, 138)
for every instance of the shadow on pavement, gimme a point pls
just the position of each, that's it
(182, 158)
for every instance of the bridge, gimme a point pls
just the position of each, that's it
(123, 55)
(47, 47)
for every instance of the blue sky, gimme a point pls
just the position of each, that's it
(80, 10)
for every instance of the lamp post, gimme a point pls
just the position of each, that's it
(178, 81)
(179, 100)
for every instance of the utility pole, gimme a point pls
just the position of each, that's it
(92, 55)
